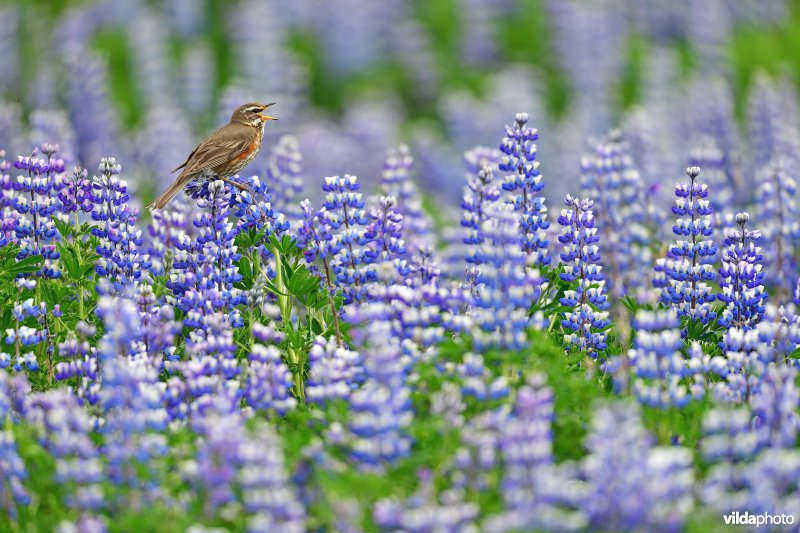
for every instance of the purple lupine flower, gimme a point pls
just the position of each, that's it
(778, 213)
(285, 176)
(480, 196)
(659, 368)
(741, 277)
(12, 490)
(130, 399)
(524, 182)
(334, 371)
(253, 208)
(506, 287)
(727, 444)
(213, 470)
(585, 322)
(536, 492)
(610, 178)
(775, 404)
(396, 182)
(268, 381)
(476, 379)
(67, 436)
(352, 263)
(476, 460)
(689, 266)
(159, 329)
(210, 365)
(426, 511)
(269, 497)
(630, 484)
(168, 227)
(747, 353)
(385, 235)
(76, 195)
(120, 264)
(204, 269)
(109, 193)
(78, 358)
(35, 201)
(448, 404)
(772, 483)
(381, 409)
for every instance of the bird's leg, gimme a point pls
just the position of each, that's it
(240, 186)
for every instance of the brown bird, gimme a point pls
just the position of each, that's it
(224, 153)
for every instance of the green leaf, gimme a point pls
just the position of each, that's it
(25, 265)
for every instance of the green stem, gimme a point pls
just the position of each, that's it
(284, 301)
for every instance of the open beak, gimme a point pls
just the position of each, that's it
(267, 117)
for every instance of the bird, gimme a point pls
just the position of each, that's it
(222, 154)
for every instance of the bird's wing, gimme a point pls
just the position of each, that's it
(223, 145)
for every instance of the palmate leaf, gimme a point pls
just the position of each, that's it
(23, 266)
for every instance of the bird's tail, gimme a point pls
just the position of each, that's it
(168, 195)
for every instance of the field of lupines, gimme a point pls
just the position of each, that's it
(608, 341)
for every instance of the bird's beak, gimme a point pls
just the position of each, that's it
(267, 117)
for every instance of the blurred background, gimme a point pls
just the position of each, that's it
(145, 80)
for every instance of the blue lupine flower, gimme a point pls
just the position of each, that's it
(79, 358)
(524, 182)
(381, 408)
(778, 213)
(333, 371)
(351, 264)
(109, 193)
(269, 497)
(610, 178)
(476, 379)
(480, 195)
(630, 484)
(285, 176)
(268, 381)
(253, 208)
(424, 511)
(220, 433)
(505, 286)
(35, 199)
(12, 490)
(728, 442)
(689, 266)
(168, 227)
(534, 489)
(67, 436)
(776, 421)
(204, 270)
(75, 196)
(130, 399)
(741, 277)
(385, 233)
(772, 482)
(659, 368)
(396, 182)
(120, 264)
(584, 324)
(748, 351)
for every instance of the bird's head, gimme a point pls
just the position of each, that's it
(251, 114)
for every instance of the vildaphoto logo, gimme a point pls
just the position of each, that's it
(763, 519)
